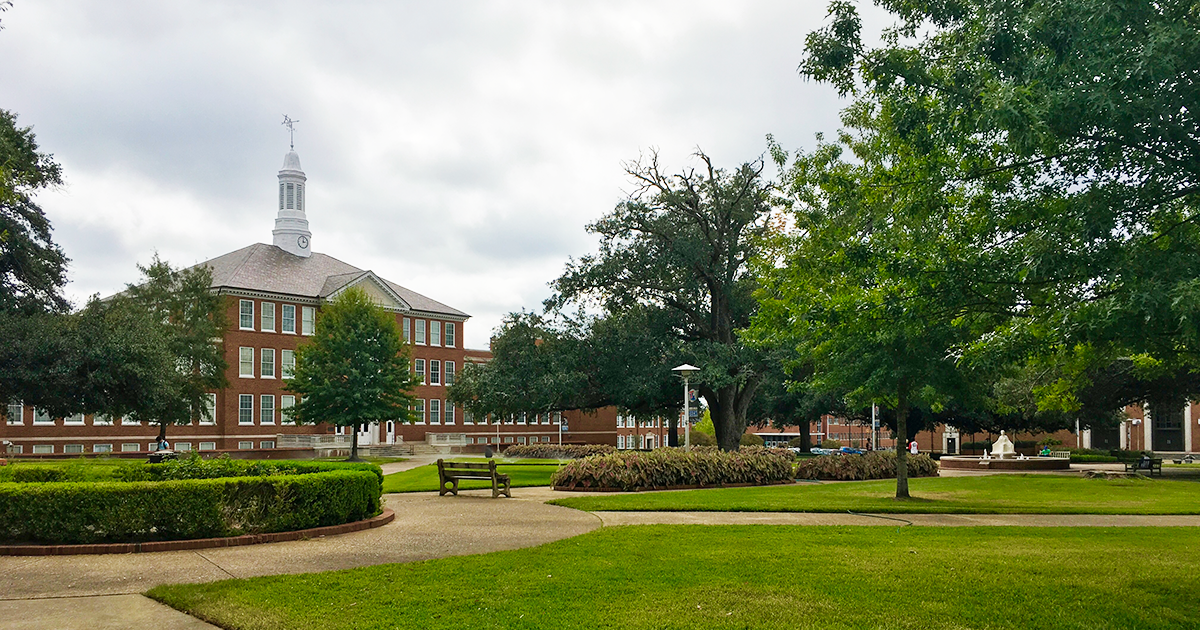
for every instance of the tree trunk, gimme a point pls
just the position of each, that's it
(902, 439)
(673, 432)
(162, 431)
(805, 435)
(354, 444)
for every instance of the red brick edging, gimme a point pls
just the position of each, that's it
(720, 485)
(384, 518)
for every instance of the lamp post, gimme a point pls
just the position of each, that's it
(686, 371)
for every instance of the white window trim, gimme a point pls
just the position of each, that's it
(435, 418)
(262, 354)
(240, 398)
(283, 362)
(49, 421)
(304, 310)
(252, 309)
(20, 418)
(242, 374)
(283, 330)
(263, 314)
(213, 407)
(420, 411)
(261, 409)
(420, 335)
(435, 340)
(70, 421)
(448, 373)
(449, 341)
(435, 373)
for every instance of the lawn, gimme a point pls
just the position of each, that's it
(758, 576)
(524, 473)
(993, 494)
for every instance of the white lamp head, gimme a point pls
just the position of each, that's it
(685, 370)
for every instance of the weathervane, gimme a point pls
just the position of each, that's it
(291, 125)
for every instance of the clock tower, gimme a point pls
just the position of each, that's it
(291, 225)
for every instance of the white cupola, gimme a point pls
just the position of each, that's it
(291, 225)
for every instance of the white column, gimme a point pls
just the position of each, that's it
(1124, 432)
(1187, 426)
(1147, 434)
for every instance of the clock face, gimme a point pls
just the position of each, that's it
(302, 242)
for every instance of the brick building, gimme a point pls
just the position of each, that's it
(273, 294)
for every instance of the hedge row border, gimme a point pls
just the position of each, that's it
(655, 488)
(385, 517)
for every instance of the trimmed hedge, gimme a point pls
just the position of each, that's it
(556, 451)
(873, 465)
(195, 467)
(671, 467)
(102, 512)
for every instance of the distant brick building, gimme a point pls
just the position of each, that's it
(272, 296)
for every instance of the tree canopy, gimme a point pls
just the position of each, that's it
(355, 369)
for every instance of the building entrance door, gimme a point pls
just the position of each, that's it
(391, 432)
(952, 445)
(1168, 429)
(1107, 438)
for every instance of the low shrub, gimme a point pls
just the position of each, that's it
(557, 451)
(749, 439)
(976, 446)
(1050, 441)
(100, 512)
(700, 438)
(831, 444)
(195, 467)
(672, 467)
(1084, 458)
(37, 474)
(873, 465)
(797, 442)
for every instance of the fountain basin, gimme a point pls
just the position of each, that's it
(962, 462)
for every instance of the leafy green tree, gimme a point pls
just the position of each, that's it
(32, 266)
(1064, 139)
(191, 319)
(355, 369)
(677, 254)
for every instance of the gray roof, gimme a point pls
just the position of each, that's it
(269, 269)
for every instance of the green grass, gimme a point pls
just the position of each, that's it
(738, 577)
(425, 478)
(993, 494)
(77, 468)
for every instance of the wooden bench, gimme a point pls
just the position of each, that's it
(1148, 465)
(449, 473)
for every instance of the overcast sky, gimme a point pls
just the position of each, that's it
(456, 148)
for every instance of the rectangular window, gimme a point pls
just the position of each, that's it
(420, 332)
(545, 438)
(419, 412)
(266, 409)
(449, 335)
(127, 421)
(246, 445)
(509, 419)
(435, 333)
(266, 444)
(246, 362)
(449, 373)
(41, 417)
(246, 314)
(449, 417)
(102, 448)
(101, 420)
(308, 320)
(557, 417)
(16, 413)
(208, 446)
(620, 421)
(40, 449)
(183, 446)
(467, 417)
(130, 447)
(16, 449)
(546, 418)
(286, 401)
(287, 319)
(73, 419)
(73, 449)
(435, 411)
(508, 439)
(407, 330)
(420, 370)
(287, 363)
(246, 409)
(268, 362)
(521, 440)
(435, 372)
(621, 442)
(210, 409)
(268, 317)
(521, 418)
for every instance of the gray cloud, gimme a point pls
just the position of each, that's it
(457, 148)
